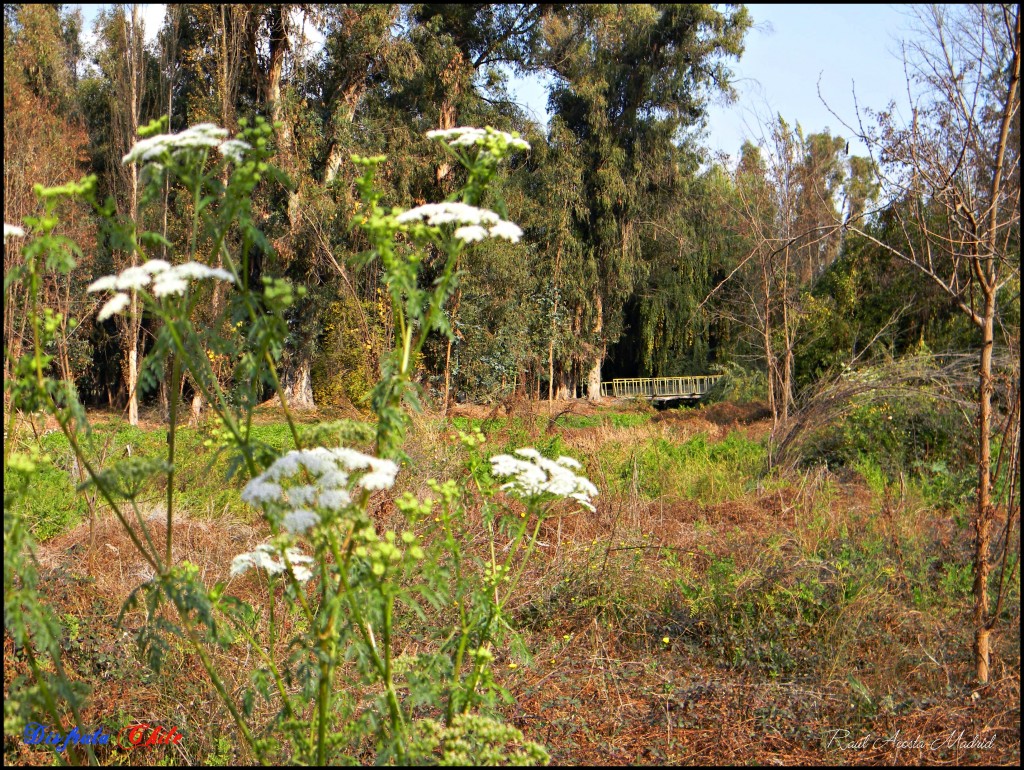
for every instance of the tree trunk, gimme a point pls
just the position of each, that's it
(594, 379)
(279, 45)
(769, 360)
(335, 158)
(447, 120)
(447, 377)
(566, 388)
(450, 77)
(787, 338)
(551, 373)
(594, 375)
(347, 114)
(983, 513)
(448, 348)
(197, 406)
(787, 381)
(134, 54)
(298, 386)
(133, 377)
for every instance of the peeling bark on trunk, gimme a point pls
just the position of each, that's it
(197, 407)
(451, 78)
(133, 378)
(335, 157)
(447, 120)
(565, 389)
(298, 386)
(594, 380)
(594, 375)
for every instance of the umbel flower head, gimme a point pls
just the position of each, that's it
(202, 135)
(12, 231)
(264, 557)
(536, 475)
(283, 486)
(475, 223)
(165, 280)
(490, 139)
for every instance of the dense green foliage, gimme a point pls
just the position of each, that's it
(639, 251)
(370, 256)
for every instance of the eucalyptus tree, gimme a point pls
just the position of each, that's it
(459, 43)
(238, 61)
(464, 51)
(629, 81)
(124, 62)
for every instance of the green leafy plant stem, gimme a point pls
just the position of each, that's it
(51, 704)
(271, 366)
(64, 423)
(264, 656)
(218, 685)
(173, 397)
(383, 666)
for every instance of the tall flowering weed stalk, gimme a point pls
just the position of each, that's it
(402, 240)
(220, 235)
(348, 596)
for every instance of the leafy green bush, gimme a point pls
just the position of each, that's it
(920, 437)
(738, 385)
(54, 505)
(342, 371)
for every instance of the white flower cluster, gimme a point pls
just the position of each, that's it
(200, 135)
(234, 149)
(475, 223)
(165, 279)
(467, 136)
(537, 475)
(264, 558)
(12, 231)
(330, 468)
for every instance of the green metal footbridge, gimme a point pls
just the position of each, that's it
(660, 388)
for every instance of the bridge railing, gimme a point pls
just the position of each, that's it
(659, 387)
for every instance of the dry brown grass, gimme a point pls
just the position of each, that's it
(602, 593)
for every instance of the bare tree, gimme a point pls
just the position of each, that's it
(952, 175)
(787, 195)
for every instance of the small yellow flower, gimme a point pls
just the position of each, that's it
(664, 640)
(513, 665)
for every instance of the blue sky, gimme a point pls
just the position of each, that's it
(787, 51)
(790, 47)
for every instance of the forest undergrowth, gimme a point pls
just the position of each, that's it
(710, 611)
